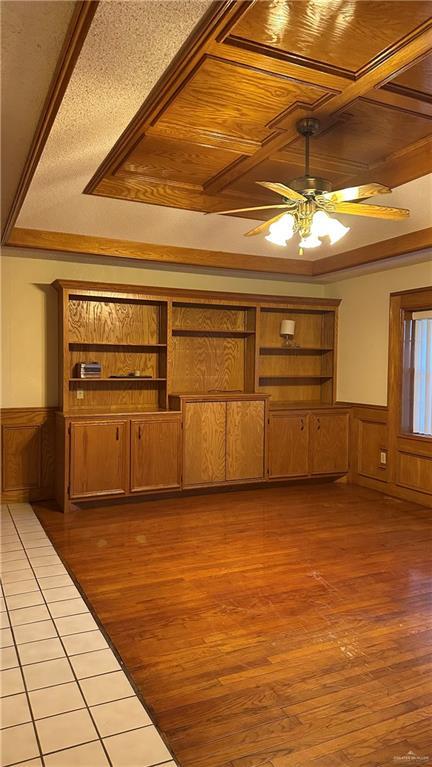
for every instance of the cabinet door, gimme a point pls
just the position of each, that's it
(155, 454)
(98, 458)
(245, 440)
(329, 443)
(204, 443)
(288, 445)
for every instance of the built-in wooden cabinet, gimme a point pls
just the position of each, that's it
(245, 434)
(204, 443)
(288, 445)
(303, 444)
(99, 458)
(223, 440)
(155, 453)
(197, 389)
(328, 435)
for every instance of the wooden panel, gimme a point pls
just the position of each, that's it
(98, 458)
(155, 453)
(288, 445)
(369, 132)
(245, 440)
(250, 71)
(416, 80)
(209, 317)
(106, 321)
(224, 98)
(372, 441)
(27, 454)
(328, 443)
(206, 364)
(176, 161)
(204, 443)
(345, 36)
(22, 451)
(414, 471)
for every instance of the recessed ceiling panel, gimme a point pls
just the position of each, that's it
(345, 34)
(178, 161)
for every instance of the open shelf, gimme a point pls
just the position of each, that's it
(211, 332)
(127, 379)
(113, 345)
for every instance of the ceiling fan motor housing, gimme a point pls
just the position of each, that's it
(310, 185)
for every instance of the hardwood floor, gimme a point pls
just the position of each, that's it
(286, 627)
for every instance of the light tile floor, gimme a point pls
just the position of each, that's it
(65, 699)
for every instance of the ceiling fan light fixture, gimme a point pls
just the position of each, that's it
(325, 226)
(311, 241)
(282, 230)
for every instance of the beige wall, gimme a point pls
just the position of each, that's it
(29, 317)
(29, 310)
(363, 329)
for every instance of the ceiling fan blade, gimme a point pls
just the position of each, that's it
(285, 191)
(244, 210)
(355, 193)
(265, 224)
(374, 211)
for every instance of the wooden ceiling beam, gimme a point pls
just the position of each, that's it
(168, 254)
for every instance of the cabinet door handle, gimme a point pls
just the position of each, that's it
(318, 424)
(139, 432)
(117, 433)
(301, 424)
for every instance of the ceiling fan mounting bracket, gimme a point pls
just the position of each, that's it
(308, 126)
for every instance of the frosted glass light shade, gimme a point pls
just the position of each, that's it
(287, 328)
(325, 226)
(282, 230)
(311, 241)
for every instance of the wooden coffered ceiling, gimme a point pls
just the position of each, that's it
(224, 114)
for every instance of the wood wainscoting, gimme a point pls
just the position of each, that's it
(401, 467)
(28, 456)
(27, 453)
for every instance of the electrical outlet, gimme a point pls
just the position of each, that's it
(80, 393)
(383, 458)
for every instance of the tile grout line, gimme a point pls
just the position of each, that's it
(99, 628)
(33, 722)
(68, 660)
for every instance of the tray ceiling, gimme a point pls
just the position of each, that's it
(149, 136)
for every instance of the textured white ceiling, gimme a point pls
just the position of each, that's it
(32, 35)
(127, 49)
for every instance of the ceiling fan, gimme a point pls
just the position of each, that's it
(308, 201)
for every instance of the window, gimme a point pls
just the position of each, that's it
(422, 384)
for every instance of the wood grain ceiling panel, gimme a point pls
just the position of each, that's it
(369, 132)
(416, 81)
(176, 161)
(227, 99)
(224, 116)
(339, 34)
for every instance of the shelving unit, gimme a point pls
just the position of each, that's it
(191, 346)
(302, 373)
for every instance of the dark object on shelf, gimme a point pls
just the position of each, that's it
(88, 370)
(130, 375)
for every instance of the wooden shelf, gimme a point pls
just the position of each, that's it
(114, 345)
(211, 332)
(295, 350)
(127, 379)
